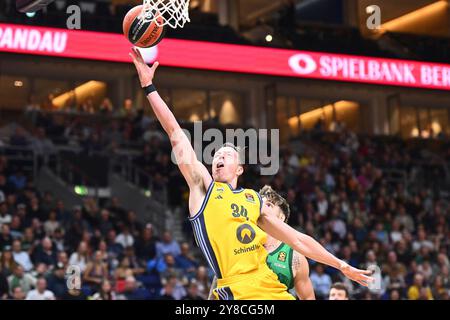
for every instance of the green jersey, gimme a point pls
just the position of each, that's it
(280, 261)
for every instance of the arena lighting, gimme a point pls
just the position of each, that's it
(30, 14)
(269, 38)
(414, 21)
(82, 92)
(18, 83)
(309, 119)
(81, 190)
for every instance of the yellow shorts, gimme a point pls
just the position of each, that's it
(263, 285)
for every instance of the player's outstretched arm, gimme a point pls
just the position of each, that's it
(194, 172)
(309, 247)
(302, 283)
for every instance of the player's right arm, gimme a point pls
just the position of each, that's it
(194, 172)
(309, 247)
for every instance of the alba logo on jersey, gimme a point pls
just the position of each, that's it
(245, 234)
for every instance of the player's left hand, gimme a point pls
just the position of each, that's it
(146, 73)
(357, 275)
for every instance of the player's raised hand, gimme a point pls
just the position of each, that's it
(145, 72)
(357, 275)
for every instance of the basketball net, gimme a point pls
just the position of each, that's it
(174, 13)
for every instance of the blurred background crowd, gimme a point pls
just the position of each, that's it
(92, 207)
(368, 200)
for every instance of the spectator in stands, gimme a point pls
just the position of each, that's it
(134, 262)
(45, 253)
(96, 270)
(16, 227)
(105, 223)
(22, 279)
(21, 257)
(63, 215)
(146, 244)
(80, 257)
(127, 110)
(439, 292)
(132, 290)
(106, 107)
(422, 241)
(5, 237)
(51, 224)
(394, 280)
(5, 217)
(125, 238)
(35, 211)
(203, 280)
(42, 145)
(167, 245)
(114, 249)
(18, 294)
(57, 282)
(167, 291)
(133, 224)
(122, 272)
(41, 292)
(178, 288)
(18, 180)
(7, 262)
(192, 292)
(105, 293)
(405, 219)
(338, 291)
(186, 261)
(321, 282)
(419, 290)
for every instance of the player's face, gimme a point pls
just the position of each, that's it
(336, 294)
(225, 166)
(272, 210)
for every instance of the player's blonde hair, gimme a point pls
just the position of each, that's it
(276, 199)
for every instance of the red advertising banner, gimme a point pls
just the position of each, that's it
(226, 57)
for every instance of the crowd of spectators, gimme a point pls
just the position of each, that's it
(48, 251)
(337, 184)
(340, 193)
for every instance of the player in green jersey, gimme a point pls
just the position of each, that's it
(290, 266)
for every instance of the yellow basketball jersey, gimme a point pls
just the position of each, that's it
(226, 230)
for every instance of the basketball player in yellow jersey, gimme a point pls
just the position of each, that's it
(291, 267)
(228, 222)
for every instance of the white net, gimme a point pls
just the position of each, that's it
(174, 13)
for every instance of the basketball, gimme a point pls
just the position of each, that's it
(142, 33)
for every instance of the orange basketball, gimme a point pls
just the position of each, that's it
(142, 33)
